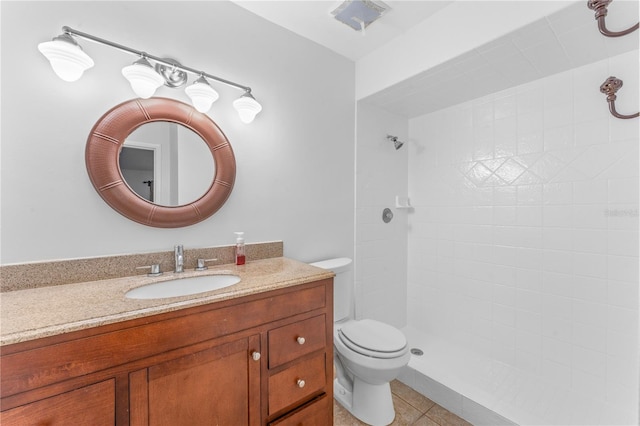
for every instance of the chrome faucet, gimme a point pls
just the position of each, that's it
(178, 252)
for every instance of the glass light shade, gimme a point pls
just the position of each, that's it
(66, 57)
(143, 78)
(202, 94)
(247, 107)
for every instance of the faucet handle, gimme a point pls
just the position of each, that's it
(154, 270)
(201, 264)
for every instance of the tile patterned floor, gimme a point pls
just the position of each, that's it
(411, 407)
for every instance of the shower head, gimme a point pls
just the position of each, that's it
(396, 143)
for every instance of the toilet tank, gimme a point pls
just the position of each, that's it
(342, 285)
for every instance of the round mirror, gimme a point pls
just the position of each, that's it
(134, 128)
(166, 164)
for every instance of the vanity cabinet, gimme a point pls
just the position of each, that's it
(88, 405)
(219, 385)
(263, 359)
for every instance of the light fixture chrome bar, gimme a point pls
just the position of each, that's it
(71, 31)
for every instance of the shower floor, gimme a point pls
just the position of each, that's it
(472, 385)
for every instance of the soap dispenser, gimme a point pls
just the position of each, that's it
(240, 257)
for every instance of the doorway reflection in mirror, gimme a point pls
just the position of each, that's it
(166, 164)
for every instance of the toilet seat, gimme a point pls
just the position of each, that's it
(373, 338)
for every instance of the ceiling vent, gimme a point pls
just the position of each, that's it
(358, 14)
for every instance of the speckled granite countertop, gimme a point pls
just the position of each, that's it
(34, 313)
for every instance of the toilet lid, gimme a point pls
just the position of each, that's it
(373, 336)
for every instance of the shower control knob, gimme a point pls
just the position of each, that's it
(300, 340)
(387, 215)
(255, 355)
(300, 383)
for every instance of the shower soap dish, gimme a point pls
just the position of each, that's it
(403, 202)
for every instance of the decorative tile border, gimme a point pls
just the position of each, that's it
(68, 271)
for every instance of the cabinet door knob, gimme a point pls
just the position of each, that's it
(255, 355)
(300, 340)
(301, 383)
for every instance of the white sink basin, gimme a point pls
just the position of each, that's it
(183, 287)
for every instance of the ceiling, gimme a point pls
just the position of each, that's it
(564, 40)
(313, 20)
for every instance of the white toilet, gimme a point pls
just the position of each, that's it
(368, 354)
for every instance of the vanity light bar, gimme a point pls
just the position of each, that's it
(69, 62)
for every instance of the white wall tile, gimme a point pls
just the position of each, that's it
(588, 360)
(621, 364)
(529, 215)
(623, 190)
(590, 265)
(621, 293)
(593, 132)
(557, 238)
(528, 302)
(531, 258)
(621, 319)
(621, 216)
(504, 195)
(590, 240)
(558, 261)
(558, 137)
(504, 257)
(558, 351)
(589, 216)
(589, 288)
(623, 268)
(622, 243)
(557, 193)
(558, 215)
(590, 192)
(593, 314)
(539, 242)
(556, 374)
(558, 115)
(529, 279)
(529, 195)
(381, 257)
(558, 284)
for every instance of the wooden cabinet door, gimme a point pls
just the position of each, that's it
(216, 386)
(89, 405)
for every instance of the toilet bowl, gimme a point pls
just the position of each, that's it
(368, 354)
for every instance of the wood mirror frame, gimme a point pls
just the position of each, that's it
(102, 160)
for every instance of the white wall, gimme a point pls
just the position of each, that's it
(190, 178)
(295, 161)
(381, 248)
(524, 241)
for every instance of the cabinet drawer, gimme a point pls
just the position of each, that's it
(294, 340)
(316, 413)
(296, 383)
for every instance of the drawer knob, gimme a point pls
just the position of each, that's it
(301, 383)
(255, 355)
(300, 340)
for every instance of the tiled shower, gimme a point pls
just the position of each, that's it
(523, 246)
(521, 250)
